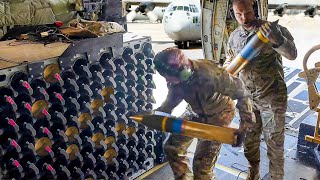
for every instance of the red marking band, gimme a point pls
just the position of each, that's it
(28, 106)
(10, 100)
(46, 130)
(58, 77)
(48, 149)
(50, 168)
(14, 143)
(26, 85)
(12, 123)
(16, 163)
(45, 112)
(58, 95)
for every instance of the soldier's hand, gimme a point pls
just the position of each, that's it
(231, 54)
(241, 133)
(273, 33)
(229, 57)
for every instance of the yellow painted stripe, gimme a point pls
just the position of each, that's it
(262, 38)
(226, 169)
(237, 64)
(164, 122)
(234, 172)
(152, 170)
(241, 60)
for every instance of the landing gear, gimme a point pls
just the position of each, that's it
(182, 44)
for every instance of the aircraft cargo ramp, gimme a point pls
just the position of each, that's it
(232, 164)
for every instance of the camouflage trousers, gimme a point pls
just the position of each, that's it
(205, 155)
(270, 120)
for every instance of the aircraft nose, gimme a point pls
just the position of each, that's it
(174, 27)
(176, 24)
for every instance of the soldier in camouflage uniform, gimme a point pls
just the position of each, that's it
(209, 90)
(264, 78)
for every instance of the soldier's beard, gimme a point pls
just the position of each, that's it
(248, 24)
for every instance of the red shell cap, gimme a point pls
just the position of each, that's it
(58, 23)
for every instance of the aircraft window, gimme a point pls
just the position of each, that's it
(192, 8)
(186, 8)
(195, 19)
(173, 8)
(196, 9)
(180, 8)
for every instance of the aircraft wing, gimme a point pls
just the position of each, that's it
(309, 9)
(155, 2)
(292, 6)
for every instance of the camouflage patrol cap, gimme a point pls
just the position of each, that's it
(170, 61)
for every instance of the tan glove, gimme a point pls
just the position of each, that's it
(241, 133)
(273, 33)
(245, 126)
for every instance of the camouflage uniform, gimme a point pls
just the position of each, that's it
(207, 92)
(264, 78)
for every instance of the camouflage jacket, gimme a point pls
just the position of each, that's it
(210, 90)
(264, 75)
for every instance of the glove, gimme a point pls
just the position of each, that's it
(241, 133)
(240, 138)
(273, 33)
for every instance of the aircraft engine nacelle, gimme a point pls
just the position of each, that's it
(152, 16)
(131, 16)
(145, 8)
(280, 10)
(311, 11)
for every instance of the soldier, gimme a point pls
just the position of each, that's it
(209, 90)
(264, 79)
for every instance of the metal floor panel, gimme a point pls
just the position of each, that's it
(232, 163)
(298, 102)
